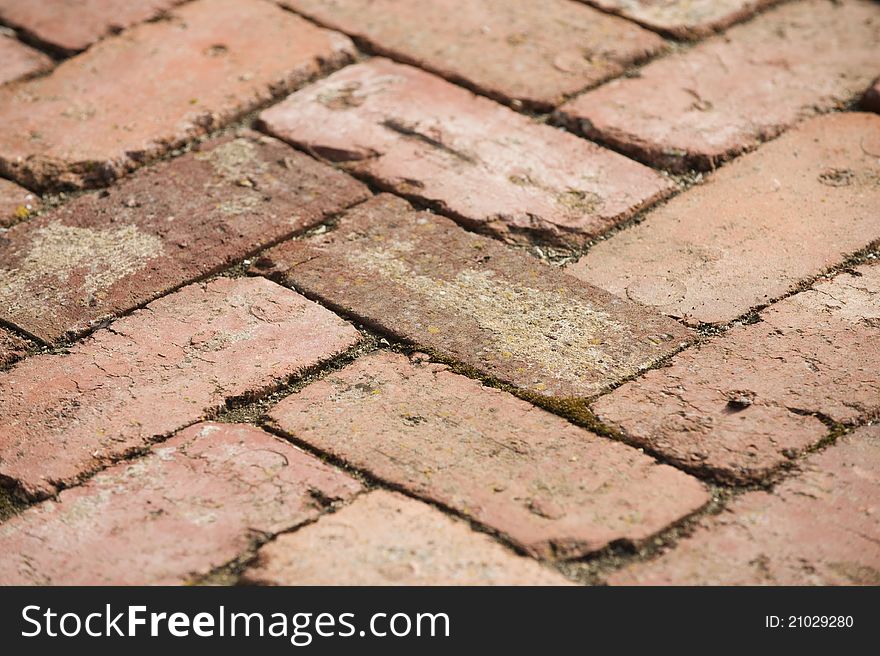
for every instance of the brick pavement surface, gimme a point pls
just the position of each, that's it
(394, 293)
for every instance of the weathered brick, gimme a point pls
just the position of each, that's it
(745, 403)
(755, 229)
(687, 19)
(478, 161)
(167, 225)
(384, 538)
(69, 27)
(16, 203)
(422, 279)
(702, 106)
(532, 53)
(12, 347)
(819, 528)
(168, 365)
(871, 100)
(194, 503)
(553, 488)
(134, 96)
(19, 60)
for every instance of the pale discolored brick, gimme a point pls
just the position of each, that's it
(746, 402)
(12, 347)
(520, 51)
(168, 224)
(818, 528)
(199, 500)
(478, 161)
(18, 60)
(726, 95)
(756, 229)
(687, 19)
(422, 279)
(68, 27)
(137, 95)
(554, 489)
(166, 366)
(16, 203)
(384, 538)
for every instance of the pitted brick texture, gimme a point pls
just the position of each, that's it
(384, 538)
(191, 505)
(700, 107)
(819, 528)
(421, 278)
(754, 230)
(137, 95)
(554, 489)
(107, 252)
(166, 366)
(491, 168)
(519, 51)
(746, 402)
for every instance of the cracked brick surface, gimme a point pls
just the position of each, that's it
(169, 365)
(520, 51)
(384, 538)
(466, 297)
(20, 60)
(754, 230)
(493, 169)
(210, 62)
(747, 401)
(108, 252)
(191, 505)
(819, 528)
(16, 203)
(699, 107)
(554, 489)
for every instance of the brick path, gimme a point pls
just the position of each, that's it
(336, 291)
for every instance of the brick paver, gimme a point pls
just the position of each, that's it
(12, 347)
(16, 203)
(149, 374)
(554, 489)
(755, 229)
(513, 50)
(724, 96)
(69, 27)
(384, 538)
(684, 18)
(819, 528)
(421, 278)
(169, 224)
(494, 169)
(19, 60)
(194, 503)
(134, 96)
(741, 405)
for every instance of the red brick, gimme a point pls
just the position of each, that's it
(532, 53)
(196, 502)
(871, 100)
(422, 279)
(384, 538)
(16, 203)
(19, 60)
(494, 169)
(704, 105)
(172, 363)
(12, 347)
(554, 489)
(755, 229)
(167, 225)
(134, 96)
(819, 528)
(69, 27)
(687, 19)
(739, 405)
